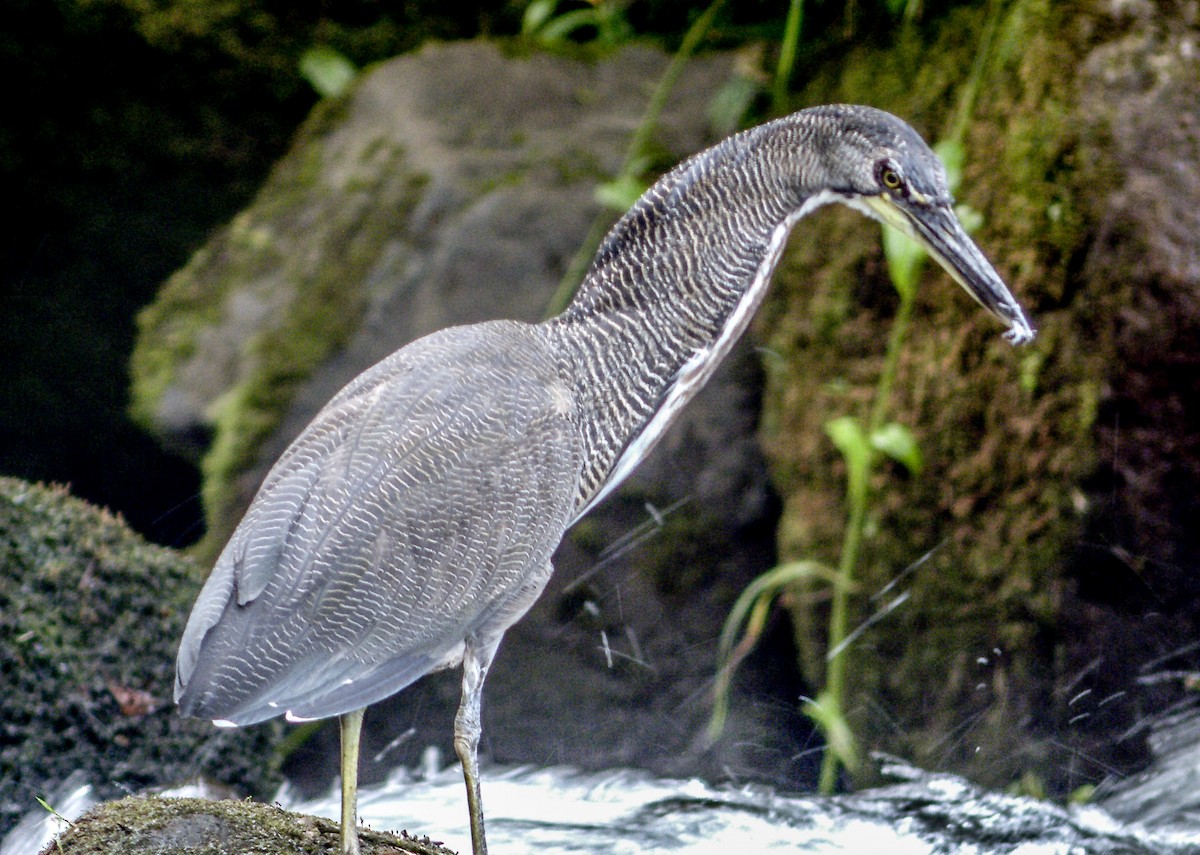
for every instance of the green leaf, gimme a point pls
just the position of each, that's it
(750, 611)
(1030, 785)
(611, 27)
(898, 443)
(559, 28)
(953, 155)
(768, 585)
(826, 714)
(1082, 795)
(848, 436)
(327, 71)
(904, 259)
(536, 15)
(620, 193)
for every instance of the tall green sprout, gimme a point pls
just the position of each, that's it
(787, 56)
(623, 190)
(863, 446)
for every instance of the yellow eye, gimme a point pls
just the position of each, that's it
(890, 179)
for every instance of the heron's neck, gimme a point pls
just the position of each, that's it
(672, 288)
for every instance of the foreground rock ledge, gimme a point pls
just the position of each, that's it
(137, 825)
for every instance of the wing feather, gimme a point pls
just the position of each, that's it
(423, 498)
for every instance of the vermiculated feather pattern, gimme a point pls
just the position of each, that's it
(412, 522)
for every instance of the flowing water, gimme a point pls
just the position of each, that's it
(559, 811)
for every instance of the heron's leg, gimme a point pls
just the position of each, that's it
(466, 734)
(351, 724)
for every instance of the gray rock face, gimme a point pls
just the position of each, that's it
(1142, 90)
(451, 186)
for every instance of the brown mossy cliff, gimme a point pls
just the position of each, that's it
(969, 672)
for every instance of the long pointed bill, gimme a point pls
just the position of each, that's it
(937, 229)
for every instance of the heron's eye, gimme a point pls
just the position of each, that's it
(889, 178)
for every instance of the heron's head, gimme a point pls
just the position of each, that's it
(882, 167)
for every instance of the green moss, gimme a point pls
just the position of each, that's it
(202, 827)
(322, 314)
(166, 335)
(90, 616)
(1005, 433)
(309, 284)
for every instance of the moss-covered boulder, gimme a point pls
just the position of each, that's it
(449, 186)
(90, 616)
(159, 826)
(1018, 547)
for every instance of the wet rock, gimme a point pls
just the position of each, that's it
(1167, 793)
(161, 826)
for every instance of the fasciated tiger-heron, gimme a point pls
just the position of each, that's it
(413, 521)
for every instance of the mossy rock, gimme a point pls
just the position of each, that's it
(160, 826)
(970, 673)
(90, 616)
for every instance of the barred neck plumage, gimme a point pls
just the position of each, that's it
(675, 284)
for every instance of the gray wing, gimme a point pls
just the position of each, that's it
(421, 506)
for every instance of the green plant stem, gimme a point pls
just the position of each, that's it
(891, 361)
(787, 57)
(662, 91)
(835, 671)
(634, 154)
(966, 101)
(858, 498)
